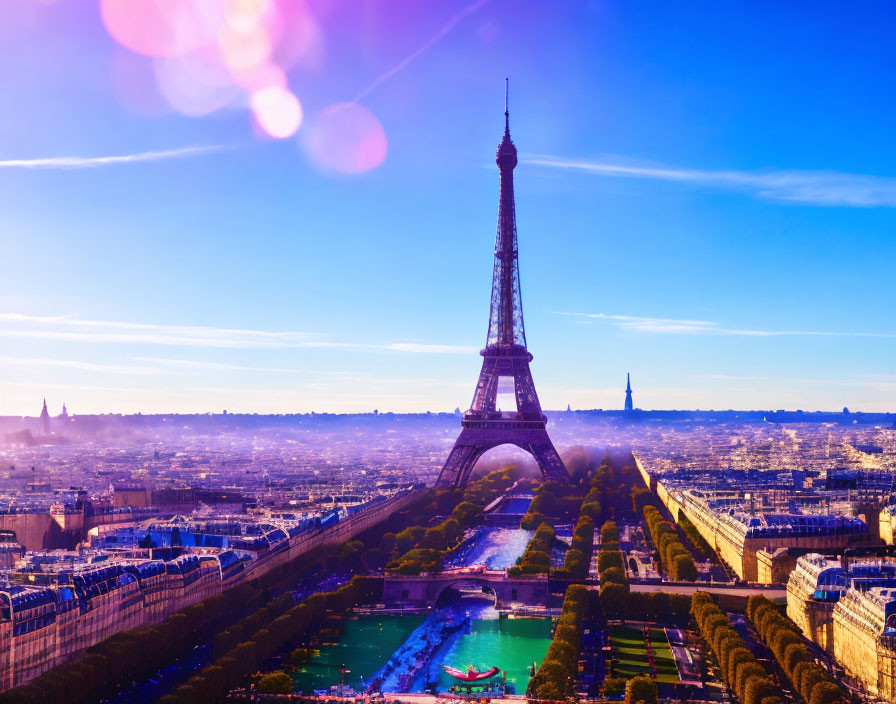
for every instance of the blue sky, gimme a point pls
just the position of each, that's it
(706, 198)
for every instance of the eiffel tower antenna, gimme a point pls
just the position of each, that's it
(507, 105)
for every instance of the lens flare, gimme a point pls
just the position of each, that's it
(193, 86)
(261, 76)
(162, 28)
(276, 111)
(244, 15)
(205, 55)
(244, 49)
(346, 138)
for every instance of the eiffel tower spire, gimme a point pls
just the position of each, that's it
(505, 323)
(505, 365)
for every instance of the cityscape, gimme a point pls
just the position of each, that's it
(390, 508)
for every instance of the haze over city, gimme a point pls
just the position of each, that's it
(705, 199)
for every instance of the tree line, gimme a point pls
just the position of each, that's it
(420, 548)
(694, 536)
(274, 631)
(556, 677)
(676, 558)
(616, 598)
(741, 670)
(783, 638)
(578, 558)
(536, 559)
(553, 502)
(133, 655)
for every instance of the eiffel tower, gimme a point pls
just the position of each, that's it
(505, 360)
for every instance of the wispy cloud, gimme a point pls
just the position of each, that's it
(90, 162)
(823, 188)
(431, 42)
(706, 327)
(72, 329)
(80, 365)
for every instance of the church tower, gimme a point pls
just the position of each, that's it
(45, 419)
(629, 404)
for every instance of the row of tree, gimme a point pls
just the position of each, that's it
(614, 586)
(616, 598)
(694, 536)
(676, 558)
(578, 557)
(419, 548)
(537, 557)
(783, 638)
(133, 655)
(616, 485)
(641, 497)
(740, 669)
(556, 677)
(553, 502)
(228, 670)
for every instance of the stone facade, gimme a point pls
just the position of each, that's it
(849, 610)
(738, 533)
(863, 643)
(775, 566)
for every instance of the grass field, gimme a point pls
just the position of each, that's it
(631, 654)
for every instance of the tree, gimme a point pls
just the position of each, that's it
(614, 599)
(640, 689)
(757, 689)
(387, 543)
(275, 683)
(744, 672)
(825, 693)
(609, 558)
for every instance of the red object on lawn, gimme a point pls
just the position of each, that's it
(471, 675)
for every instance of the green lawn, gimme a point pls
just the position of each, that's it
(631, 653)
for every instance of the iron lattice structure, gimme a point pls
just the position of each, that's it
(486, 424)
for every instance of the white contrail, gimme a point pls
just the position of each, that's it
(672, 326)
(89, 162)
(435, 39)
(829, 188)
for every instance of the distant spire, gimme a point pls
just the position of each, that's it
(45, 419)
(629, 402)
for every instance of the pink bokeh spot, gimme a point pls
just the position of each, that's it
(346, 138)
(162, 28)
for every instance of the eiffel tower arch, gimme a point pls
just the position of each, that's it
(505, 408)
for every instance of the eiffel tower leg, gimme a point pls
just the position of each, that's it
(548, 459)
(459, 464)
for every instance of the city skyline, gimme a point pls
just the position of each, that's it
(712, 216)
